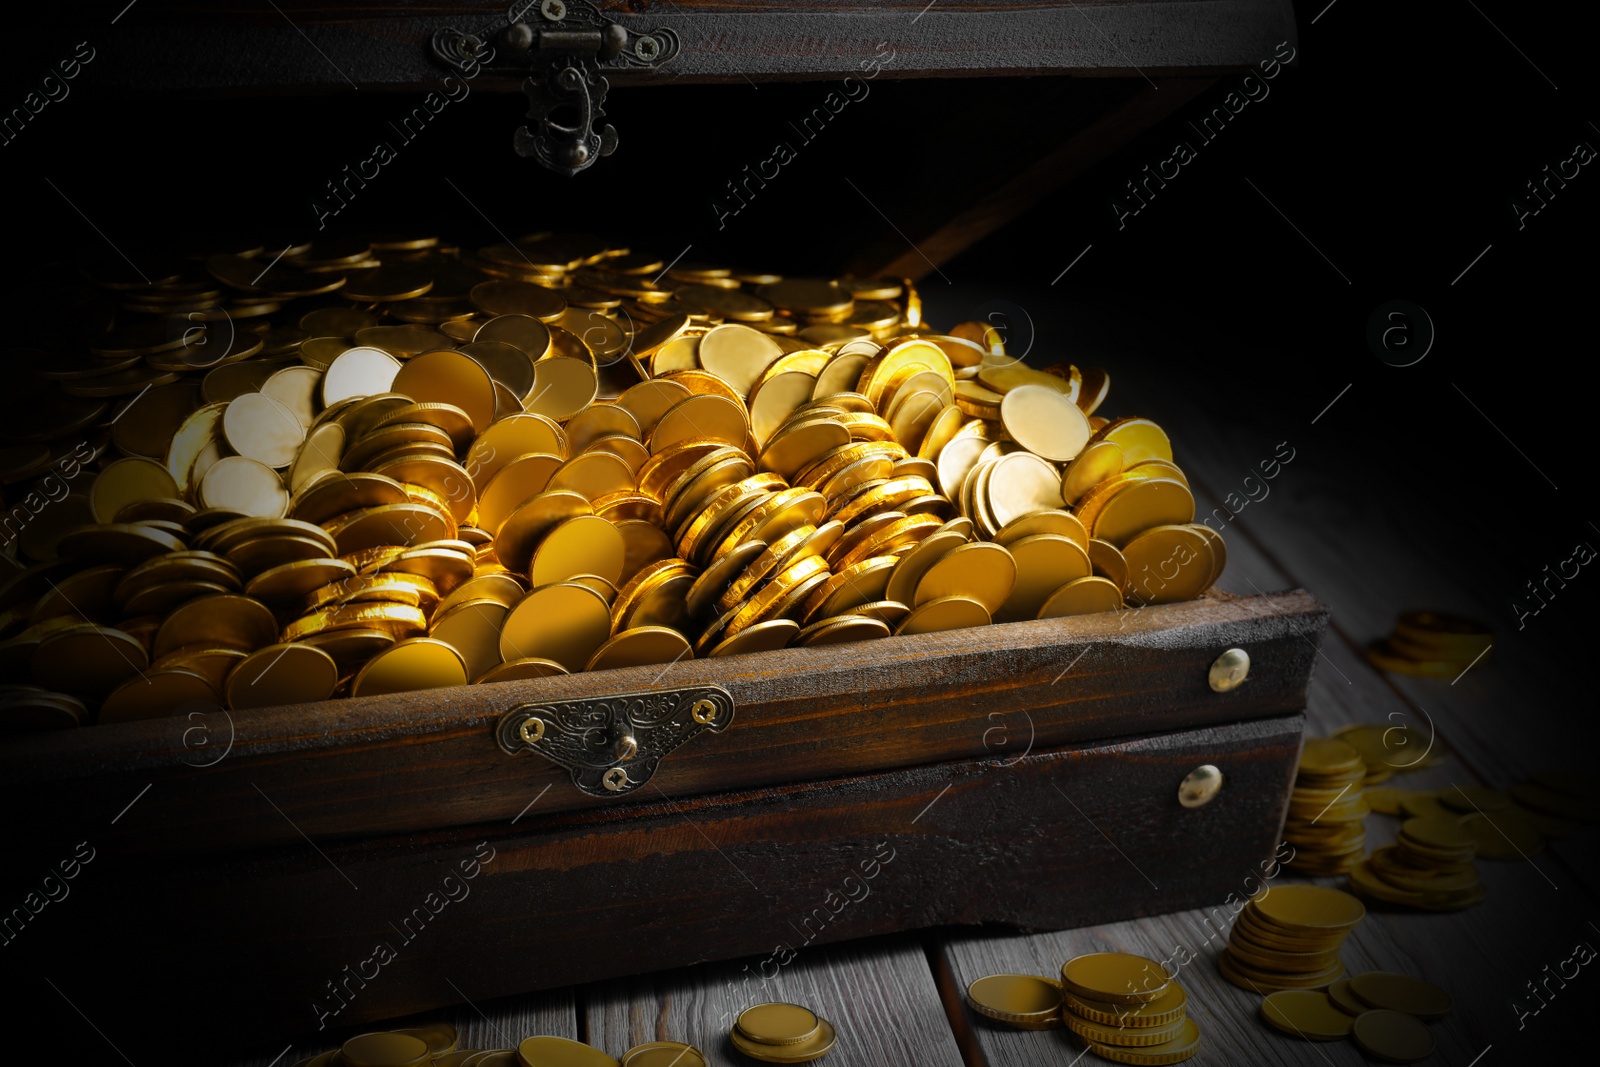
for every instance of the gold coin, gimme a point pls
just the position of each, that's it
(841, 629)
(1119, 977)
(399, 620)
(1176, 1050)
(126, 481)
(513, 484)
(392, 524)
(562, 387)
(1310, 907)
(1095, 464)
(795, 449)
(518, 670)
(1123, 1037)
(231, 621)
(472, 628)
(511, 437)
(564, 622)
(1401, 992)
(1307, 1014)
(914, 564)
(281, 674)
(358, 372)
(1138, 505)
(1392, 1036)
(1045, 563)
(738, 355)
(532, 336)
(415, 663)
(982, 571)
(1168, 1008)
(715, 579)
(594, 475)
(87, 660)
(897, 365)
(664, 1054)
(1045, 421)
(849, 588)
(156, 694)
(640, 646)
(1048, 521)
(1139, 439)
(648, 401)
(1024, 1001)
(601, 420)
(813, 1048)
(656, 596)
(384, 1049)
(240, 484)
(521, 533)
(700, 417)
(762, 637)
(1167, 564)
(449, 377)
(587, 544)
(350, 647)
(332, 497)
(502, 296)
(777, 1024)
(781, 513)
(943, 613)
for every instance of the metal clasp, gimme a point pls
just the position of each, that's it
(612, 745)
(566, 45)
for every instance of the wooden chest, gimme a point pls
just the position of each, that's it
(320, 866)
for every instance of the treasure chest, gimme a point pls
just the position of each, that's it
(321, 865)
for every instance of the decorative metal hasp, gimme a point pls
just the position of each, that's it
(567, 46)
(613, 744)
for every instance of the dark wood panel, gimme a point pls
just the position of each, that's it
(1054, 838)
(424, 760)
(308, 46)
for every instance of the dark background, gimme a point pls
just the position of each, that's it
(1395, 148)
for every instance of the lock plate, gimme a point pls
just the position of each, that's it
(612, 745)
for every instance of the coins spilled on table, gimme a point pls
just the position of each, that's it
(354, 468)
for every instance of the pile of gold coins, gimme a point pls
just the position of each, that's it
(1385, 1013)
(436, 1045)
(1289, 938)
(1430, 866)
(1431, 644)
(1124, 1008)
(1391, 748)
(351, 467)
(1550, 806)
(1326, 809)
(781, 1033)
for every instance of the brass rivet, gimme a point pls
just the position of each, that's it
(615, 779)
(1200, 786)
(627, 747)
(703, 711)
(531, 730)
(1230, 670)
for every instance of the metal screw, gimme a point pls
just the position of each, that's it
(703, 712)
(1200, 786)
(1230, 670)
(531, 730)
(647, 49)
(554, 10)
(615, 779)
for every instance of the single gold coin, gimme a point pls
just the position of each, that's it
(1306, 1013)
(449, 377)
(943, 613)
(87, 660)
(1045, 563)
(1392, 1036)
(1096, 463)
(587, 544)
(472, 628)
(1026, 1002)
(640, 646)
(1082, 596)
(1442, 833)
(698, 417)
(245, 486)
(1048, 521)
(384, 1049)
(545, 1051)
(358, 372)
(1401, 992)
(415, 663)
(156, 694)
(664, 1054)
(1167, 564)
(843, 629)
(126, 481)
(1045, 422)
(1140, 505)
(1139, 439)
(562, 387)
(914, 564)
(519, 670)
(281, 674)
(1119, 977)
(814, 1048)
(1310, 907)
(777, 1023)
(760, 637)
(980, 571)
(564, 622)
(738, 355)
(1168, 1008)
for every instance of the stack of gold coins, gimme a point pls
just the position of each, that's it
(1289, 938)
(1431, 644)
(1326, 809)
(782, 1033)
(351, 467)
(1127, 1009)
(1430, 866)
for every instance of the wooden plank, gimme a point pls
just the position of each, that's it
(307, 46)
(878, 993)
(359, 767)
(951, 226)
(580, 896)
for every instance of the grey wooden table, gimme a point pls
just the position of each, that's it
(900, 1000)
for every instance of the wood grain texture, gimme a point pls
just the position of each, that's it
(314, 47)
(856, 987)
(1056, 837)
(353, 768)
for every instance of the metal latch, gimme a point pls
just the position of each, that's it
(613, 744)
(566, 45)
